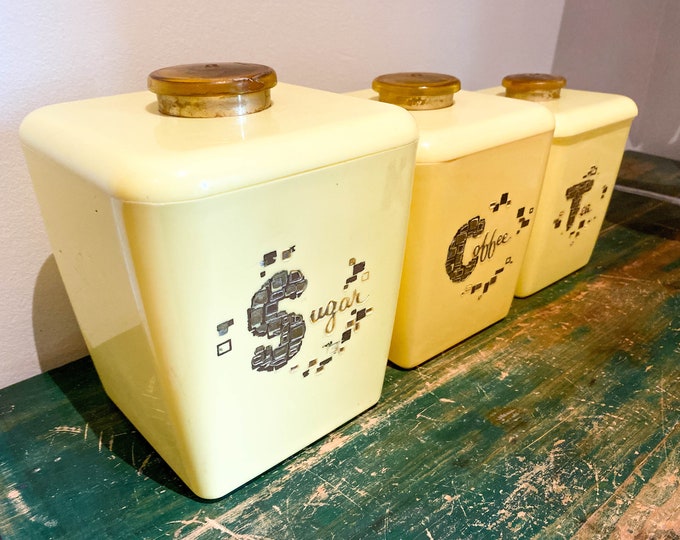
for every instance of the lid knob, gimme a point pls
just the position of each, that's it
(416, 91)
(211, 90)
(534, 86)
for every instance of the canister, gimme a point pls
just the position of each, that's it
(479, 169)
(591, 129)
(232, 250)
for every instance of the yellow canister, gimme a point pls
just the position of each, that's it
(232, 250)
(479, 168)
(591, 129)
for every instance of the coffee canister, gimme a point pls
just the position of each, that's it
(479, 170)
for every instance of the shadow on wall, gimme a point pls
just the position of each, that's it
(58, 339)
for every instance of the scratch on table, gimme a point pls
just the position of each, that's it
(422, 415)
(112, 438)
(450, 501)
(538, 480)
(10, 409)
(144, 464)
(54, 432)
(335, 440)
(318, 497)
(596, 473)
(382, 471)
(656, 486)
(655, 513)
(369, 423)
(240, 512)
(481, 390)
(569, 416)
(386, 522)
(208, 524)
(17, 501)
(336, 488)
(72, 430)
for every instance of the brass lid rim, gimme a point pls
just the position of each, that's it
(216, 79)
(413, 84)
(524, 82)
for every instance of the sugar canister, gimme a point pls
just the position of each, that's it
(232, 250)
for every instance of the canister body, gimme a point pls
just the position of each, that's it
(478, 176)
(236, 328)
(469, 228)
(589, 140)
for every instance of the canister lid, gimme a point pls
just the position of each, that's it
(122, 145)
(211, 90)
(533, 86)
(417, 91)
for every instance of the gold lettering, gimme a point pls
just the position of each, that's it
(333, 308)
(330, 325)
(346, 302)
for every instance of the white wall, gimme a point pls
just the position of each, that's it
(59, 51)
(628, 47)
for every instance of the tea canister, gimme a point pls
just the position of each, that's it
(479, 169)
(591, 129)
(232, 250)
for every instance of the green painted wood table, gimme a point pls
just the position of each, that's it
(561, 421)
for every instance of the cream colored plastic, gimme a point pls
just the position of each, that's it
(591, 130)
(140, 155)
(474, 123)
(167, 232)
(479, 170)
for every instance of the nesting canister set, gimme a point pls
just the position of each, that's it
(243, 256)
